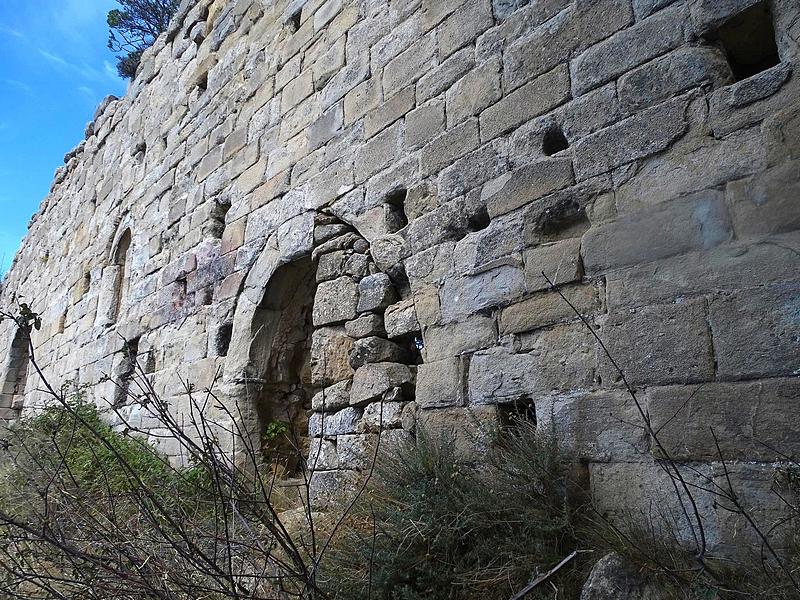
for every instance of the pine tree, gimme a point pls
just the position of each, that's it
(135, 27)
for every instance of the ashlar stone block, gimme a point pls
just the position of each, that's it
(335, 301)
(658, 345)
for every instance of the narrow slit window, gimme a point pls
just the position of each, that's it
(396, 202)
(219, 212)
(122, 275)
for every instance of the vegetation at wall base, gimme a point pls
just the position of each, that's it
(435, 525)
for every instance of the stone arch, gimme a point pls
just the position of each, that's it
(264, 378)
(280, 355)
(308, 323)
(15, 377)
(121, 265)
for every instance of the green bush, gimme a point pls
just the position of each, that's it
(83, 453)
(91, 504)
(433, 525)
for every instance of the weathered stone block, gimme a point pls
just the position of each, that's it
(471, 430)
(708, 14)
(693, 223)
(355, 451)
(362, 99)
(441, 383)
(410, 65)
(723, 269)
(691, 165)
(752, 421)
(464, 296)
(560, 261)
(448, 222)
(332, 397)
(536, 98)
(498, 244)
(380, 416)
(338, 423)
(441, 77)
(375, 292)
(547, 308)
(644, 8)
(335, 301)
(529, 183)
(626, 492)
(326, 488)
(598, 426)
(378, 153)
(449, 146)
(374, 380)
(762, 490)
(765, 342)
(767, 203)
(376, 350)
(463, 26)
(749, 101)
(628, 49)
(322, 455)
(474, 92)
(589, 112)
(388, 112)
(365, 326)
(670, 75)
(497, 376)
(474, 333)
(425, 123)
(401, 319)
(330, 352)
(564, 359)
(641, 135)
(554, 42)
(658, 345)
(474, 169)
(434, 11)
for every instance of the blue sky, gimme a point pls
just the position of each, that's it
(55, 68)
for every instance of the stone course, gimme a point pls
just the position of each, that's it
(357, 213)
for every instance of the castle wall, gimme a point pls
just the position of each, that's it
(430, 159)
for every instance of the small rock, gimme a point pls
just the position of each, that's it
(614, 578)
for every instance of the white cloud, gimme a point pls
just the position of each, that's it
(87, 91)
(110, 70)
(20, 86)
(53, 58)
(11, 32)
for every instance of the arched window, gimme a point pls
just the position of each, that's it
(121, 265)
(12, 394)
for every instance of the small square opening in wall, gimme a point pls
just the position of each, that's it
(396, 201)
(554, 141)
(514, 413)
(749, 41)
(293, 23)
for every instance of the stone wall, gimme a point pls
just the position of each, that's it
(350, 204)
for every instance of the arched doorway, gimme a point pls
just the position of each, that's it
(12, 394)
(280, 359)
